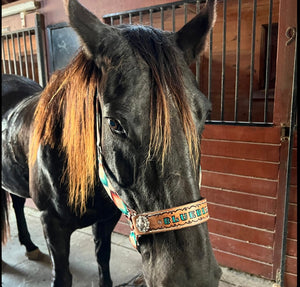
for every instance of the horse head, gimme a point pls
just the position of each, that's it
(150, 119)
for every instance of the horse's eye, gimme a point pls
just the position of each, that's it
(115, 126)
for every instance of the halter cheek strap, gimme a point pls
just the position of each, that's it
(117, 199)
(150, 222)
(111, 191)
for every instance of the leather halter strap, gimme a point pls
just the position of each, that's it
(170, 219)
(149, 222)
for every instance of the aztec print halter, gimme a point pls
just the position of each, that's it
(150, 222)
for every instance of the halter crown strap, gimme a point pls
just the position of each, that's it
(150, 222)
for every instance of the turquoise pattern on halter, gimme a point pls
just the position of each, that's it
(133, 238)
(117, 200)
(111, 192)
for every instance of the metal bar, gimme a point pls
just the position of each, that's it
(153, 8)
(237, 71)
(151, 17)
(198, 70)
(162, 18)
(252, 61)
(14, 54)
(111, 21)
(197, 6)
(185, 12)
(141, 17)
(130, 18)
(8, 54)
(31, 56)
(25, 54)
(241, 123)
(173, 18)
(293, 124)
(223, 60)
(40, 48)
(210, 67)
(3, 53)
(20, 55)
(267, 77)
(198, 58)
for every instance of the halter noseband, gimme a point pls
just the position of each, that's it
(149, 222)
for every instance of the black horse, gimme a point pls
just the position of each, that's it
(14, 89)
(130, 99)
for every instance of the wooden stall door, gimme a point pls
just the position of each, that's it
(245, 178)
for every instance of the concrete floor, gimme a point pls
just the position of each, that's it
(18, 271)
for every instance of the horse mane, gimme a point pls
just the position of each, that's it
(67, 105)
(157, 50)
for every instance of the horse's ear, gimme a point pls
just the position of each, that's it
(191, 38)
(89, 28)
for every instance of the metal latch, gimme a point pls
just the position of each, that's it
(285, 133)
(278, 279)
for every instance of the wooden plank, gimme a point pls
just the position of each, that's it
(9, 4)
(123, 219)
(240, 167)
(291, 264)
(294, 177)
(285, 60)
(295, 138)
(239, 183)
(240, 150)
(241, 248)
(292, 230)
(122, 228)
(294, 157)
(291, 247)
(241, 232)
(290, 280)
(254, 134)
(292, 212)
(240, 216)
(243, 264)
(293, 194)
(245, 201)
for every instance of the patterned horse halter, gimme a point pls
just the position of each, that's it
(179, 217)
